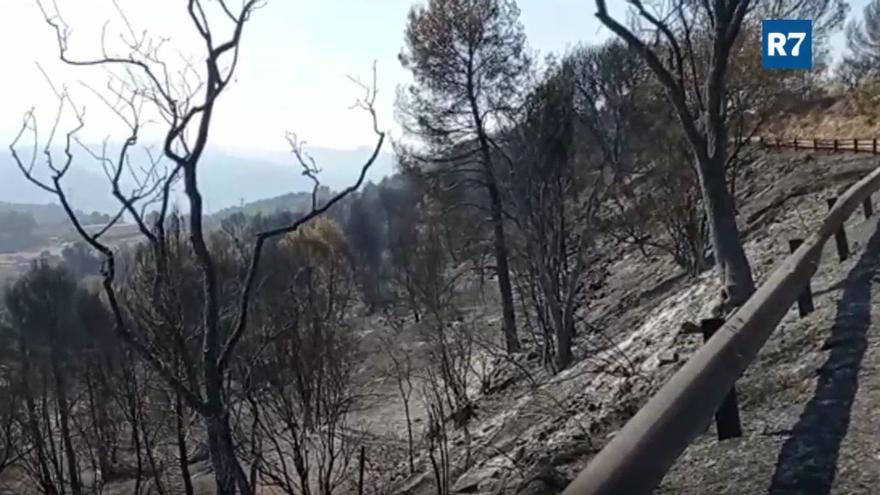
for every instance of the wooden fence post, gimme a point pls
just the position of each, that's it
(727, 420)
(835, 144)
(869, 207)
(815, 144)
(855, 145)
(795, 144)
(805, 299)
(840, 236)
(874, 146)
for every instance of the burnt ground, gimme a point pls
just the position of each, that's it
(810, 400)
(534, 432)
(806, 401)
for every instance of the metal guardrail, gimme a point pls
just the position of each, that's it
(636, 459)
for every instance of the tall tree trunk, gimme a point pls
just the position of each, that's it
(502, 269)
(730, 258)
(409, 434)
(228, 473)
(564, 336)
(97, 409)
(150, 451)
(182, 453)
(64, 413)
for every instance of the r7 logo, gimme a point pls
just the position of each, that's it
(776, 43)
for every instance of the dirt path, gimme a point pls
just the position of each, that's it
(811, 401)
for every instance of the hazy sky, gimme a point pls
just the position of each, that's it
(295, 58)
(292, 76)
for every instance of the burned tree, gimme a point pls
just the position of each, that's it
(557, 195)
(469, 61)
(183, 99)
(859, 66)
(695, 81)
(42, 307)
(303, 379)
(691, 48)
(10, 403)
(364, 229)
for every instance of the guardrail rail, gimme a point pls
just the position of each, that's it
(638, 457)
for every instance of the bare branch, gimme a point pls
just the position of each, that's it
(368, 104)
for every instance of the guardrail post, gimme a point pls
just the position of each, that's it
(761, 140)
(815, 144)
(855, 145)
(795, 144)
(805, 299)
(840, 236)
(361, 466)
(869, 207)
(835, 144)
(874, 146)
(727, 417)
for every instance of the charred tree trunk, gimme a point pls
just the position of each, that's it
(64, 416)
(563, 347)
(228, 473)
(502, 269)
(98, 399)
(730, 258)
(706, 127)
(182, 453)
(502, 266)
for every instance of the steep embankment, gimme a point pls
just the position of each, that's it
(809, 401)
(842, 117)
(534, 432)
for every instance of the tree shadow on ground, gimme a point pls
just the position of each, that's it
(807, 462)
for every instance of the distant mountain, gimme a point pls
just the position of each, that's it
(86, 187)
(42, 214)
(227, 178)
(292, 202)
(230, 178)
(51, 215)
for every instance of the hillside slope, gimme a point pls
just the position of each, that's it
(534, 432)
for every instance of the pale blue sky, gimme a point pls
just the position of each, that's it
(295, 57)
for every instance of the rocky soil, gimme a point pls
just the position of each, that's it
(806, 401)
(535, 432)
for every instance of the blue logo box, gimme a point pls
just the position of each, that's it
(787, 44)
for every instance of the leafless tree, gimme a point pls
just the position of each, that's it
(690, 48)
(402, 370)
(437, 434)
(184, 101)
(557, 198)
(697, 91)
